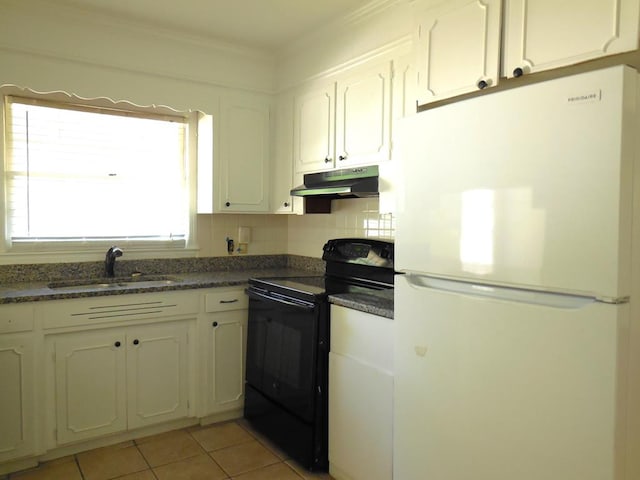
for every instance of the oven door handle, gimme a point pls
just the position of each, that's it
(280, 299)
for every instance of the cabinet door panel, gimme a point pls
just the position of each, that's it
(363, 106)
(282, 179)
(228, 341)
(157, 374)
(16, 396)
(244, 154)
(544, 34)
(314, 125)
(90, 385)
(360, 419)
(457, 46)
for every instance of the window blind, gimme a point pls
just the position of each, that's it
(78, 173)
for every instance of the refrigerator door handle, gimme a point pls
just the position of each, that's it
(510, 294)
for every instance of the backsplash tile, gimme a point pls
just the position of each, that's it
(357, 218)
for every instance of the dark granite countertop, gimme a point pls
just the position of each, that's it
(378, 302)
(41, 291)
(33, 283)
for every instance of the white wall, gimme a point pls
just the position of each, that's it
(375, 29)
(48, 47)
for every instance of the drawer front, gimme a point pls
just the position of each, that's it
(96, 310)
(362, 336)
(225, 300)
(16, 318)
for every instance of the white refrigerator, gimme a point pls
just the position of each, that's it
(517, 349)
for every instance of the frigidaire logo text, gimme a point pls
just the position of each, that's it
(585, 98)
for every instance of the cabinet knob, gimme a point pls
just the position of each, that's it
(518, 72)
(136, 341)
(227, 204)
(482, 84)
(286, 204)
(342, 157)
(117, 344)
(215, 324)
(327, 160)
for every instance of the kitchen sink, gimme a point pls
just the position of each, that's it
(142, 281)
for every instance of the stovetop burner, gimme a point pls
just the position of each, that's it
(353, 266)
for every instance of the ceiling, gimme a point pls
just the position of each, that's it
(269, 24)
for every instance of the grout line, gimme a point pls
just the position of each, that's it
(77, 462)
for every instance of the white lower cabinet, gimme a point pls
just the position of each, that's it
(360, 396)
(224, 328)
(17, 382)
(115, 379)
(157, 374)
(17, 407)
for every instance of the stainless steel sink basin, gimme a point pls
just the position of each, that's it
(142, 281)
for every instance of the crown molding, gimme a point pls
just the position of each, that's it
(61, 10)
(349, 20)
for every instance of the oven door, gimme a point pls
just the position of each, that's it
(282, 349)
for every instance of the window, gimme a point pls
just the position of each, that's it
(77, 174)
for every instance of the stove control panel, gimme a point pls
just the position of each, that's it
(376, 253)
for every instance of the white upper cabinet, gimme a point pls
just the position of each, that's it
(457, 48)
(242, 176)
(346, 122)
(282, 178)
(314, 127)
(458, 44)
(363, 105)
(545, 34)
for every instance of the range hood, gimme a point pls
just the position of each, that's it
(356, 182)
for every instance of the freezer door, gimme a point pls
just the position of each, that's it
(527, 187)
(491, 389)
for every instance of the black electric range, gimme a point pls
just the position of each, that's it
(288, 345)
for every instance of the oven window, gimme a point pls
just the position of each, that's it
(281, 353)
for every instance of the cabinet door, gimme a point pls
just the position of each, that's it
(457, 48)
(17, 408)
(90, 378)
(226, 359)
(545, 34)
(404, 90)
(363, 119)
(157, 370)
(282, 178)
(243, 176)
(314, 129)
(360, 420)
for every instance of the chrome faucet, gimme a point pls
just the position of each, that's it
(110, 260)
